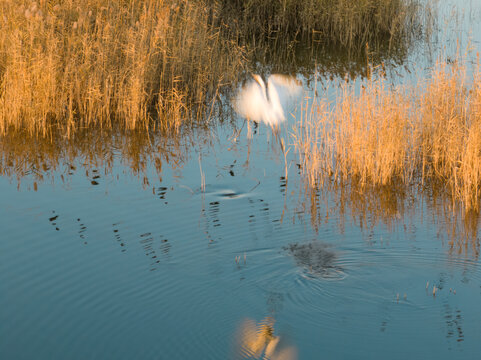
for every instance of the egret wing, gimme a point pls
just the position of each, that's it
(251, 102)
(288, 87)
(290, 84)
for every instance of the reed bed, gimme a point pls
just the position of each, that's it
(78, 63)
(350, 24)
(75, 64)
(427, 135)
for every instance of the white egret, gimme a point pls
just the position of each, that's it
(259, 103)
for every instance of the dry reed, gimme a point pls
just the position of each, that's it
(74, 64)
(78, 63)
(351, 24)
(427, 135)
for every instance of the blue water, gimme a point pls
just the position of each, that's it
(107, 262)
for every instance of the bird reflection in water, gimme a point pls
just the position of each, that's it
(258, 341)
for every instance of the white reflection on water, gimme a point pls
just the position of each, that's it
(259, 341)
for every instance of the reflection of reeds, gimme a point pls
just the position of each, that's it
(26, 155)
(399, 207)
(418, 135)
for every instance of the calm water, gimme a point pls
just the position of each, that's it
(128, 257)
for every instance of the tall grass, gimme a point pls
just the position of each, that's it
(138, 63)
(429, 135)
(350, 24)
(78, 63)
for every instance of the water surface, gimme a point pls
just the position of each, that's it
(122, 252)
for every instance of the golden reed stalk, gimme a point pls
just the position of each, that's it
(424, 134)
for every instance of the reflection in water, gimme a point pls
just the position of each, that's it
(454, 323)
(94, 177)
(165, 246)
(118, 238)
(396, 206)
(315, 257)
(23, 156)
(82, 228)
(283, 185)
(81, 231)
(161, 191)
(258, 218)
(148, 244)
(460, 227)
(210, 219)
(53, 221)
(44, 157)
(258, 341)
